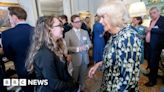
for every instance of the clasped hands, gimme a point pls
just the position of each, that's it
(82, 48)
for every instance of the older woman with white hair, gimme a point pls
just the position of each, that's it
(122, 54)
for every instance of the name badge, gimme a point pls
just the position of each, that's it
(84, 38)
(156, 27)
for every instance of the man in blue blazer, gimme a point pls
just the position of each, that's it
(16, 42)
(156, 44)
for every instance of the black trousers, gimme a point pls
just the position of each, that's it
(147, 52)
(154, 61)
(2, 76)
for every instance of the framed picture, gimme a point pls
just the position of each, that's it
(4, 19)
(156, 3)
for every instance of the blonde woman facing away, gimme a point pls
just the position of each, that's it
(122, 54)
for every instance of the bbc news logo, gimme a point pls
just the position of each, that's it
(24, 82)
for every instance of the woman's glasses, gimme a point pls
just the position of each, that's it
(60, 25)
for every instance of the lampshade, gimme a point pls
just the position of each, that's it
(137, 9)
(8, 3)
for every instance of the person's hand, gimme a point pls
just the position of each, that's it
(1, 51)
(152, 24)
(92, 71)
(68, 58)
(148, 29)
(83, 48)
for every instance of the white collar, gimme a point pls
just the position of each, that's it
(76, 29)
(22, 22)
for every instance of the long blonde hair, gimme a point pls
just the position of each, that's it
(43, 36)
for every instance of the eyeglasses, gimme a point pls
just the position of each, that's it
(77, 21)
(60, 25)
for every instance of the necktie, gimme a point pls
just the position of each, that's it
(78, 34)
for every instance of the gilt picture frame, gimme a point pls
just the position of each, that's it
(4, 18)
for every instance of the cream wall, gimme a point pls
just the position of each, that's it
(71, 7)
(51, 7)
(13, 1)
(74, 6)
(68, 7)
(30, 7)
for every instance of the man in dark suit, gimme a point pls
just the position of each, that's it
(16, 42)
(66, 25)
(156, 44)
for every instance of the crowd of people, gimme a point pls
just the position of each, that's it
(57, 50)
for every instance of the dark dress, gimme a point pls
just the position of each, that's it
(98, 42)
(48, 66)
(121, 61)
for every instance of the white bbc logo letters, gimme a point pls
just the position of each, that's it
(24, 82)
(38, 82)
(14, 82)
(6, 82)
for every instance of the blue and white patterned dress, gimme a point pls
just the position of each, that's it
(141, 32)
(122, 56)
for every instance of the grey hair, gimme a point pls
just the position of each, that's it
(156, 8)
(116, 11)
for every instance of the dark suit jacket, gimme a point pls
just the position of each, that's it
(66, 27)
(48, 66)
(157, 34)
(16, 42)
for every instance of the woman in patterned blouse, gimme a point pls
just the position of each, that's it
(136, 23)
(122, 54)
